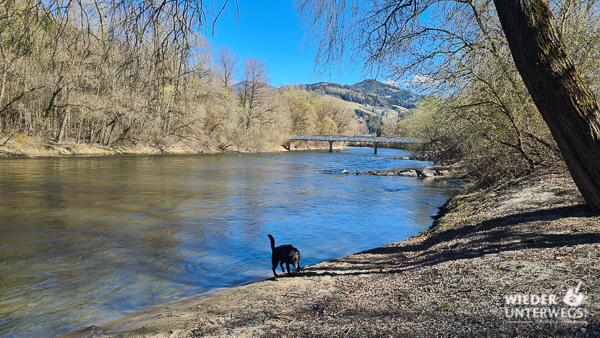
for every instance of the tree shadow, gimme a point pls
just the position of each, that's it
(488, 237)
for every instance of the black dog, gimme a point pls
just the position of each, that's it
(287, 254)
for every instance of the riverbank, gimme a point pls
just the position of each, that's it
(530, 236)
(32, 148)
(50, 149)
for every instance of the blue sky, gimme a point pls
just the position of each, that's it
(270, 31)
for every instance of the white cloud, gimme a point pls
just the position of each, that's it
(391, 82)
(419, 80)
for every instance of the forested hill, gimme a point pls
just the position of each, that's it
(368, 92)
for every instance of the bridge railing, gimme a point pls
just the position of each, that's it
(340, 138)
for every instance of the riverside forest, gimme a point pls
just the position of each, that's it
(87, 76)
(69, 80)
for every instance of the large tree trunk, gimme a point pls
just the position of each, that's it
(558, 90)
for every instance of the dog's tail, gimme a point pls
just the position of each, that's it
(272, 242)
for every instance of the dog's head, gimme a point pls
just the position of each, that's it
(296, 258)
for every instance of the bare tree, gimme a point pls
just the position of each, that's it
(20, 23)
(226, 63)
(255, 91)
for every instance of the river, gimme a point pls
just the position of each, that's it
(85, 240)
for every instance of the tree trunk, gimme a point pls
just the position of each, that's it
(63, 126)
(3, 84)
(558, 90)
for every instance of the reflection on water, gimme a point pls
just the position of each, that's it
(87, 240)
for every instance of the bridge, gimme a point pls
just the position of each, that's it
(338, 138)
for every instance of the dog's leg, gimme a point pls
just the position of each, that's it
(274, 266)
(282, 270)
(288, 267)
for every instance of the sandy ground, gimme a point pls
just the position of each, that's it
(531, 238)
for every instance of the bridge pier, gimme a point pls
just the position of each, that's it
(334, 138)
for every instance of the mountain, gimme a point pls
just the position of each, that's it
(370, 93)
(391, 93)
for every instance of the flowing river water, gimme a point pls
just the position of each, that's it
(85, 240)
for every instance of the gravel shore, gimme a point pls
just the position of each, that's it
(504, 261)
